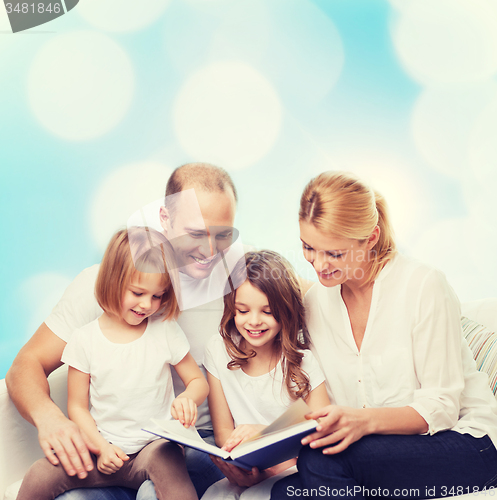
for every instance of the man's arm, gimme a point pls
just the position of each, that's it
(29, 390)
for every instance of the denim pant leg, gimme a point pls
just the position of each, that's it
(445, 464)
(111, 493)
(202, 470)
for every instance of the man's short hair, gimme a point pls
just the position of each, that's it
(200, 175)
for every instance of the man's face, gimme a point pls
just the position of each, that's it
(198, 237)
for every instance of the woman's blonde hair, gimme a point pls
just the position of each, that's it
(132, 251)
(273, 275)
(339, 204)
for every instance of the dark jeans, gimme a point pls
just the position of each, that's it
(202, 472)
(445, 464)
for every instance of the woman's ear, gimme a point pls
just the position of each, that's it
(374, 237)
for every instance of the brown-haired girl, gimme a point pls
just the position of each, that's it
(119, 365)
(260, 364)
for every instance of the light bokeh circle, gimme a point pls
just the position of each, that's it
(400, 4)
(121, 193)
(442, 121)
(80, 85)
(121, 15)
(304, 54)
(301, 54)
(483, 149)
(389, 175)
(444, 41)
(463, 249)
(227, 113)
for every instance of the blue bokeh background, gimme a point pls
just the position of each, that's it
(98, 106)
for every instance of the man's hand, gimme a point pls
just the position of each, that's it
(184, 409)
(110, 459)
(59, 435)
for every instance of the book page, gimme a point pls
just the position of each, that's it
(292, 434)
(295, 414)
(175, 431)
(175, 427)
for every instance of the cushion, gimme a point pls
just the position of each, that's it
(12, 491)
(483, 344)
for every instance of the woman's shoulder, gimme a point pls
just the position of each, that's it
(405, 269)
(414, 281)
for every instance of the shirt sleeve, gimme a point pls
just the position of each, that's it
(437, 341)
(177, 341)
(76, 352)
(77, 307)
(311, 366)
(211, 354)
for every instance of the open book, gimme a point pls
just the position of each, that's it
(276, 443)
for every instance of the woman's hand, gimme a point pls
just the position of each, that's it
(236, 475)
(184, 409)
(110, 459)
(241, 434)
(339, 426)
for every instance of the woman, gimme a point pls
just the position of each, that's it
(410, 415)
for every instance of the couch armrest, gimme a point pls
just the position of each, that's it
(19, 446)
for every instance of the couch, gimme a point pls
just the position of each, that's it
(19, 446)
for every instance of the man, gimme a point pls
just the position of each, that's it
(27, 378)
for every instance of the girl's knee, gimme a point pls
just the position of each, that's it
(165, 451)
(41, 471)
(40, 479)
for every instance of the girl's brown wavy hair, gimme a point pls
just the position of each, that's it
(273, 275)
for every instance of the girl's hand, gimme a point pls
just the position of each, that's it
(339, 424)
(241, 434)
(110, 459)
(184, 409)
(236, 475)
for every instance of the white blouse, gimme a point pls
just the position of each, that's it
(413, 353)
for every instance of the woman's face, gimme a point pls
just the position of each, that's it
(335, 260)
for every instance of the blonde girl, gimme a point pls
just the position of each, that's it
(119, 365)
(260, 363)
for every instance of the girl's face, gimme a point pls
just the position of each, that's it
(335, 260)
(253, 318)
(142, 297)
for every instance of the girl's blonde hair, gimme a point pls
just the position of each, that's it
(137, 249)
(341, 205)
(273, 275)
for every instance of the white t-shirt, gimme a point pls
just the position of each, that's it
(129, 383)
(78, 306)
(255, 400)
(413, 353)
